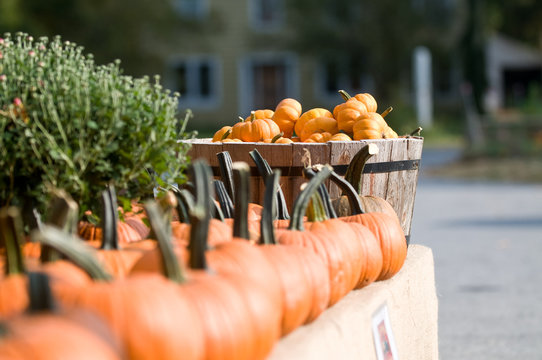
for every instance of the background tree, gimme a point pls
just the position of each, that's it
(130, 30)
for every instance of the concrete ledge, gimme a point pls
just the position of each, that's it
(344, 331)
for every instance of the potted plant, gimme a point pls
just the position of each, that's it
(67, 122)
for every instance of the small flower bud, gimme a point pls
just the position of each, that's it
(3, 77)
(32, 53)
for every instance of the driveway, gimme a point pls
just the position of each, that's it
(487, 244)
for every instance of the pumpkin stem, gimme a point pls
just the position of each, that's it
(386, 112)
(11, 238)
(40, 295)
(416, 132)
(267, 230)
(265, 170)
(276, 137)
(72, 248)
(226, 134)
(61, 213)
(226, 174)
(201, 175)
(316, 211)
(324, 196)
(354, 172)
(346, 96)
(241, 173)
(172, 270)
(252, 115)
(183, 206)
(302, 200)
(110, 236)
(348, 190)
(226, 204)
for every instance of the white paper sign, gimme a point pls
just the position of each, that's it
(383, 335)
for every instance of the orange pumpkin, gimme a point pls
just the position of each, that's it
(260, 114)
(370, 126)
(347, 113)
(340, 137)
(286, 114)
(319, 124)
(46, 333)
(223, 133)
(367, 99)
(255, 130)
(309, 115)
(319, 137)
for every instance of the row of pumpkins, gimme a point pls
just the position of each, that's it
(354, 119)
(196, 285)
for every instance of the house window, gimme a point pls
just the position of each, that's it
(267, 78)
(266, 15)
(334, 75)
(193, 9)
(196, 79)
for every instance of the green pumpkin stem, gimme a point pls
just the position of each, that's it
(416, 132)
(183, 206)
(172, 270)
(316, 209)
(276, 137)
(226, 203)
(241, 173)
(267, 230)
(347, 189)
(387, 111)
(11, 238)
(226, 134)
(354, 172)
(226, 174)
(73, 248)
(109, 220)
(346, 96)
(324, 195)
(40, 295)
(200, 172)
(62, 213)
(265, 170)
(302, 201)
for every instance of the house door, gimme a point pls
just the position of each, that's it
(269, 85)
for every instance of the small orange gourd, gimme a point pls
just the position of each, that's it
(309, 115)
(286, 114)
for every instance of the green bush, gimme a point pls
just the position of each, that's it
(66, 122)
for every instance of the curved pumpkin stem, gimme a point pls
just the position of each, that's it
(327, 207)
(265, 170)
(39, 293)
(172, 269)
(226, 172)
(302, 201)
(387, 111)
(110, 236)
(241, 173)
(354, 172)
(226, 134)
(346, 96)
(200, 174)
(267, 230)
(226, 204)
(11, 237)
(353, 198)
(182, 207)
(316, 211)
(61, 213)
(72, 248)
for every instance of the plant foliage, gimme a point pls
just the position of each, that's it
(66, 122)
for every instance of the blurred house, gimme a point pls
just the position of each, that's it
(239, 59)
(513, 69)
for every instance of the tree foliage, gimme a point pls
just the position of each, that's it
(131, 30)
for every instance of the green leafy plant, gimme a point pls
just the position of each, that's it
(66, 122)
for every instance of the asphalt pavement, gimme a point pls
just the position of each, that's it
(486, 239)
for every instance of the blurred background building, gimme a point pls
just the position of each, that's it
(229, 57)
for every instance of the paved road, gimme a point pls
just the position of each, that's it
(487, 244)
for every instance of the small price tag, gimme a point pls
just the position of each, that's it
(383, 335)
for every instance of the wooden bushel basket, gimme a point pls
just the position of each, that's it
(391, 174)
